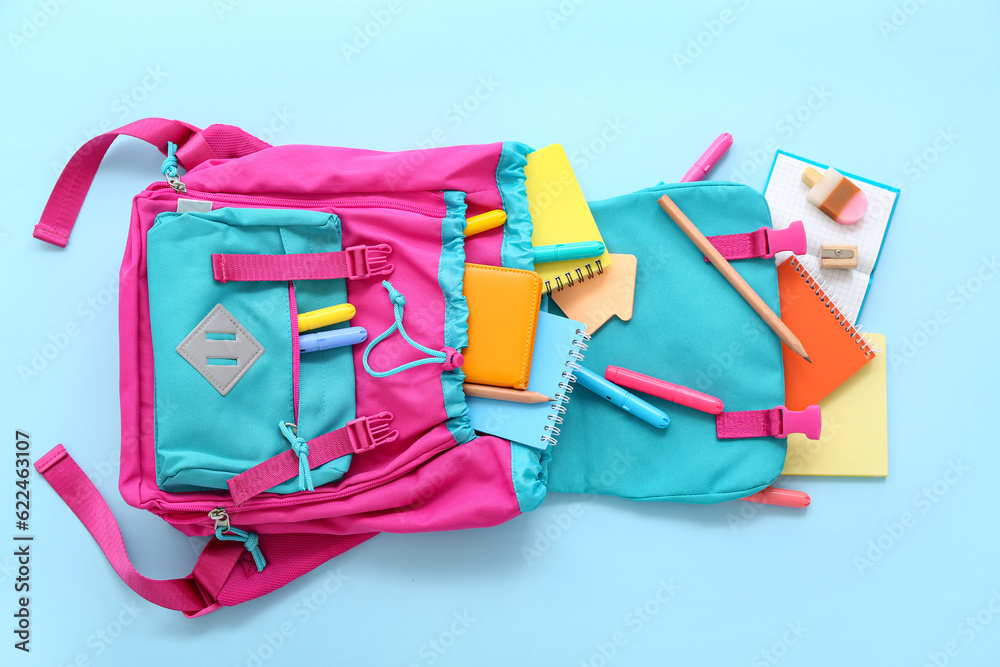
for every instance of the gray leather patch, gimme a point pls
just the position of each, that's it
(195, 205)
(220, 349)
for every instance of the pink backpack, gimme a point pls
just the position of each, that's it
(329, 448)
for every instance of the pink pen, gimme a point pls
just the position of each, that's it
(668, 391)
(709, 158)
(782, 497)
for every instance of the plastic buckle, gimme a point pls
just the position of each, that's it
(360, 434)
(808, 422)
(357, 262)
(791, 239)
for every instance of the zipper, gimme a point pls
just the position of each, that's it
(221, 519)
(196, 516)
(292, 202)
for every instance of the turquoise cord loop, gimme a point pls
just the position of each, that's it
(301, 449)
(446, 356)
(169, 166)
(250, 540)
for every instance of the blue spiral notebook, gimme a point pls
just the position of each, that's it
(559, 345)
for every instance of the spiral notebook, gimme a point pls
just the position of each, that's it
(559, 346)
(560, 214)
(855, 439)
(786, 195)
(837, 349)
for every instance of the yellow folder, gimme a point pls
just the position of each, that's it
(559, 214)
(855, 440)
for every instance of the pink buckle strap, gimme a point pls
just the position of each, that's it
(359, 435)
(194, 147)
(193, 595)
(74, 182)
(765, 242)
(355, 263)
(217, 580)
(778, 422)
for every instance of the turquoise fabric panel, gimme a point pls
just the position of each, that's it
(326, 377)
(516, 249)
(202, 437)
(528, 465)
(451, 273)
(689, 327)
(529, 473)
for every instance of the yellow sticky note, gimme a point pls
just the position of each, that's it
(855, 438)
(559, 214)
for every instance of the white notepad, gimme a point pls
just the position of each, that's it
(786, 196)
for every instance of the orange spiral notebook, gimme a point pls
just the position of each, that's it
(837, 349)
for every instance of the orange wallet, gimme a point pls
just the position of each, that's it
(503, 316)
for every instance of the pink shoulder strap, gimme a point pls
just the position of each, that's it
(194, 147)
(217, 580)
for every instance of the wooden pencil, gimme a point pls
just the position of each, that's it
(735, 279)
(504, 393)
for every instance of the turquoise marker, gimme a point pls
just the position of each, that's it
(621, 398)
(563, 251)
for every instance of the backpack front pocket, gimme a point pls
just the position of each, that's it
(227, 374)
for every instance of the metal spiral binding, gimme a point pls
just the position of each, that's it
(569, 280)
(565, 388)
(819, 288)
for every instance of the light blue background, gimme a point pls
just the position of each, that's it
(279, 70)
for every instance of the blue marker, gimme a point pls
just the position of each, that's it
(563, 251)
(327, 340)
(621, 398)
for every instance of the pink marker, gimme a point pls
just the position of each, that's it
(668, 391)
(782, 497)
(709, 158)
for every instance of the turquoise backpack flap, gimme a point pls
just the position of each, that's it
(203, 436)
(689, 327)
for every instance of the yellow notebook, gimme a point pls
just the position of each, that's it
(559, 214)
(855, 441)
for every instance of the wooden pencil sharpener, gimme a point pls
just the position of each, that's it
(838, 256)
